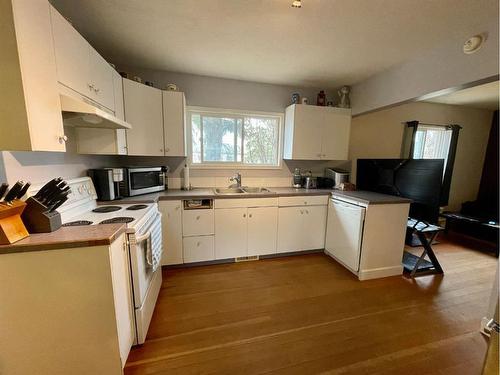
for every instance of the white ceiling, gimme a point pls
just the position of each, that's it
(484, 97)
(326, 43)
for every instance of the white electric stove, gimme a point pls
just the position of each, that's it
(144, 239)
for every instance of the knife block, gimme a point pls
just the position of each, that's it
(38, 219)
(12, 228)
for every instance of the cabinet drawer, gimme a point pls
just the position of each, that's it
(197, 222)
(315, 200)
(246, 202)
(198, 249)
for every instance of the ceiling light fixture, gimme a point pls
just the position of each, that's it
(297, 4)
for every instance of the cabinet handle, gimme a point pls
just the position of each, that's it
(161, 150)
(305, 202)
(250, 215)
(198, 244)
(307, 212)
(62, 139)
(96, 90)
(167, 149)
(244, 215)
(301, 212)
(197, 218)
(90, 86)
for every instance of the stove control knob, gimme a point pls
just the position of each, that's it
(80, 189)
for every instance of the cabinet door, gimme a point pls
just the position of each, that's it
(290, 229)
(336, 132)
(122, 295)
(198, 249)
(173, 123)
(101, 76)
(262, 230)
(143, 110)
(308, 125)
(72, 55)
(171, 232)
(314, 227)
(230, 233)
(31, 109)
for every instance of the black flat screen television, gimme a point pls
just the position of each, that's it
(417, 179)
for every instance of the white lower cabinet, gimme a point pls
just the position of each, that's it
(314, 227)
(230, 233)
(198, 249)
(301, 228)
(262, 230)
(245, 231)
(172, 232)
(242, 227)
(290, 229)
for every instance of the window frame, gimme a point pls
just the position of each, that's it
(219, 112)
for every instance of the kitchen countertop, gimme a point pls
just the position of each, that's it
(365, 197)
(369, 197)
(67, 237)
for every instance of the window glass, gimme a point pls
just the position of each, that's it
(227, 138)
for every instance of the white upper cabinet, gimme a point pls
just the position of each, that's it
(316, 133)
(101, 77)
(30, 114)
(143, 110)
(79, 66)
(174, 104)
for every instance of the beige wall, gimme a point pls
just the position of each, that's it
(379, 135)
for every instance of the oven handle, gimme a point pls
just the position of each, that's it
(142, 238)
(147, 235)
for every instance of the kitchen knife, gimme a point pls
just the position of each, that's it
(47, 187)
(53, 193)
(56, 198)
(12, 194)
(23, 190)
(3, 189)
(58, 204)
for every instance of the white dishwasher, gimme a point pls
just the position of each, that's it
(344, 232)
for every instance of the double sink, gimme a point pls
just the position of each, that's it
(242, 190)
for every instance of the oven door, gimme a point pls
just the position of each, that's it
(145, 256)
(145, 180)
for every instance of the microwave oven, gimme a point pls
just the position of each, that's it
(143, 180)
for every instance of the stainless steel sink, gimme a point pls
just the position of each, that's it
(229, 191)
(243, 190)
(256, 190)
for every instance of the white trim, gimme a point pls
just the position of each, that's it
(376, 273)
(236, 113)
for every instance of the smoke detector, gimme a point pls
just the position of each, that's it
(474, 44)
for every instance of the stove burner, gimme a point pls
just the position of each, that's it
(137, 207)
(77, 223)
(120, 219)
(106, 209)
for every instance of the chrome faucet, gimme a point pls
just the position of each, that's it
(237, 179)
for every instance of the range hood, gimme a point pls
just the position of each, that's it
(79, 113)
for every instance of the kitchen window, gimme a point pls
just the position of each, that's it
(225, 138)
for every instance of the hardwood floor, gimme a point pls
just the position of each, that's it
(308, 315)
